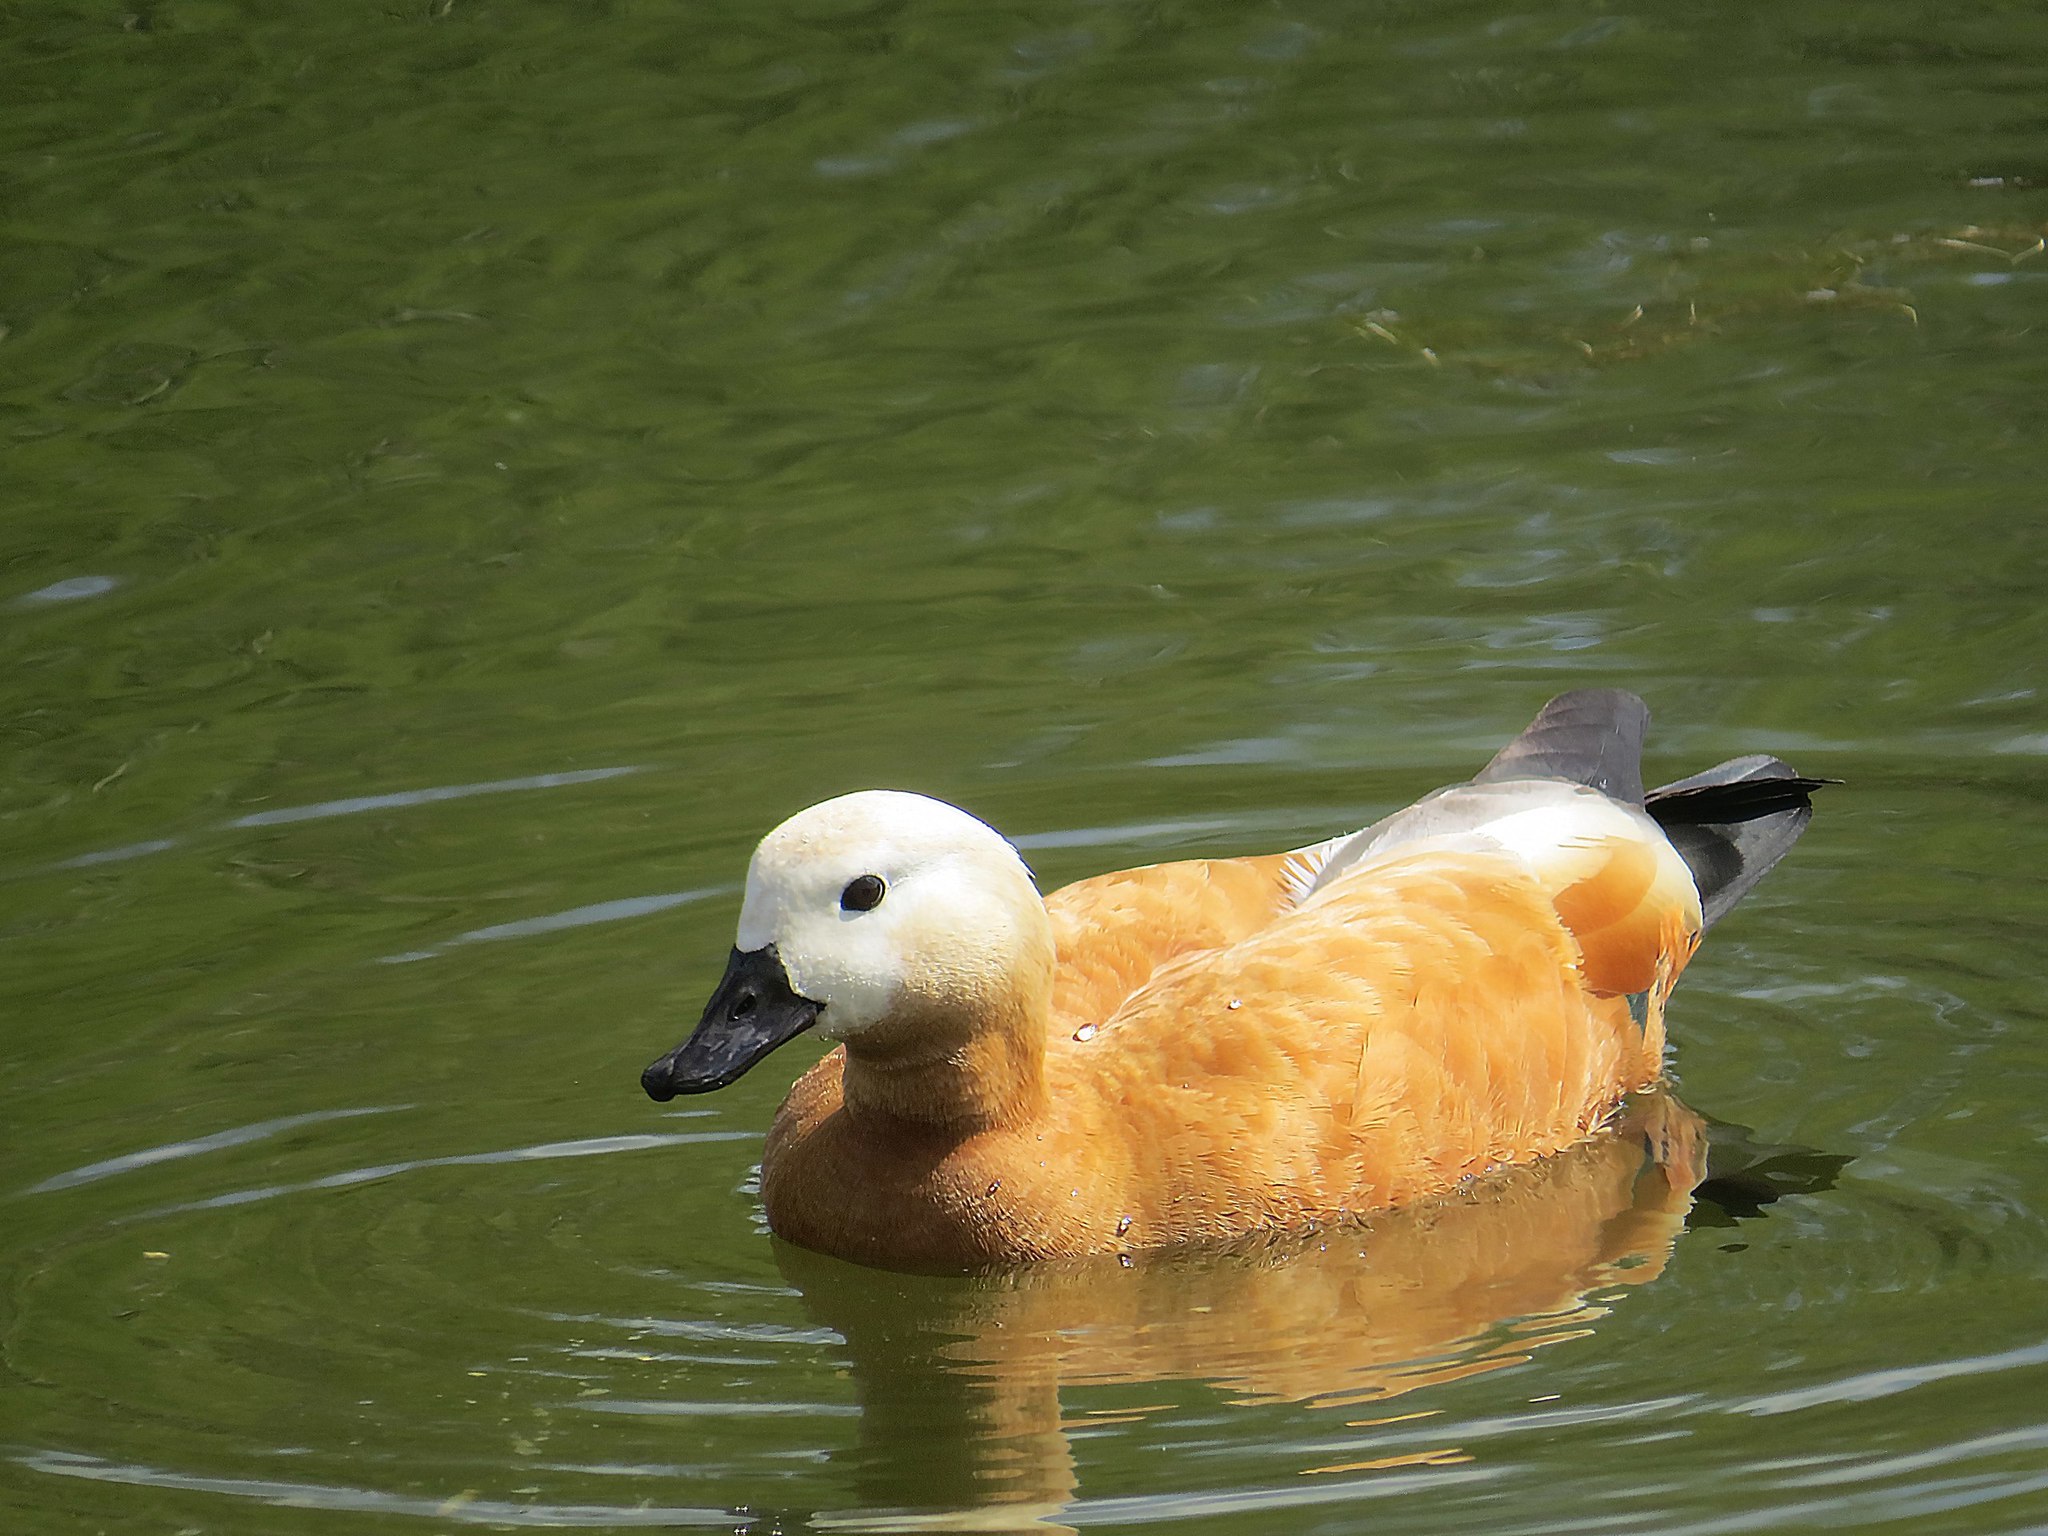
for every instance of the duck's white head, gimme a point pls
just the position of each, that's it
(865, 915)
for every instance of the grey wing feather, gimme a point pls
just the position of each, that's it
(1730, 823)
(1593, 736)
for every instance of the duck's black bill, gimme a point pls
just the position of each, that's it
(753, 1011)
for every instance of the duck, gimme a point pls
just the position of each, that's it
(1214, 1049)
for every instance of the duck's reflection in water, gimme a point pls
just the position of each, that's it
(959, 1378)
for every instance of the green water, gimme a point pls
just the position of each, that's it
(467, 469)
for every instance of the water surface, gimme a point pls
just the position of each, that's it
(470, 468)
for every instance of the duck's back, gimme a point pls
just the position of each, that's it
(1422, 1019)
(1112, 933)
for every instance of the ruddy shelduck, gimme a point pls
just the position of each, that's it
(1206, 1049)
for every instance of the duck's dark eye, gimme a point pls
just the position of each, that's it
(863, 893)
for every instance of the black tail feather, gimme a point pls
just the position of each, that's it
(1733, 822)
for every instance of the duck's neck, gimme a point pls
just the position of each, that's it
(952, 1073)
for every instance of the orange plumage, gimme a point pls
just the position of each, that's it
(1197, 1050)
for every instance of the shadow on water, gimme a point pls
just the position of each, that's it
(1746, 1176)
(960, 1378)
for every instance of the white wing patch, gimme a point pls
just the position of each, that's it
(1539, 822)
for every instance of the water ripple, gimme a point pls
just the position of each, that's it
(1151, 1509)
(573, 917)
(116, 855)
(70, 590)
(594, 1146)
(1873, 1384)
(678, 1408)
(693, 1328)
(1132, 832)
(352, 806)
(461, 1507)
(172, 1151)
(356, 804)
